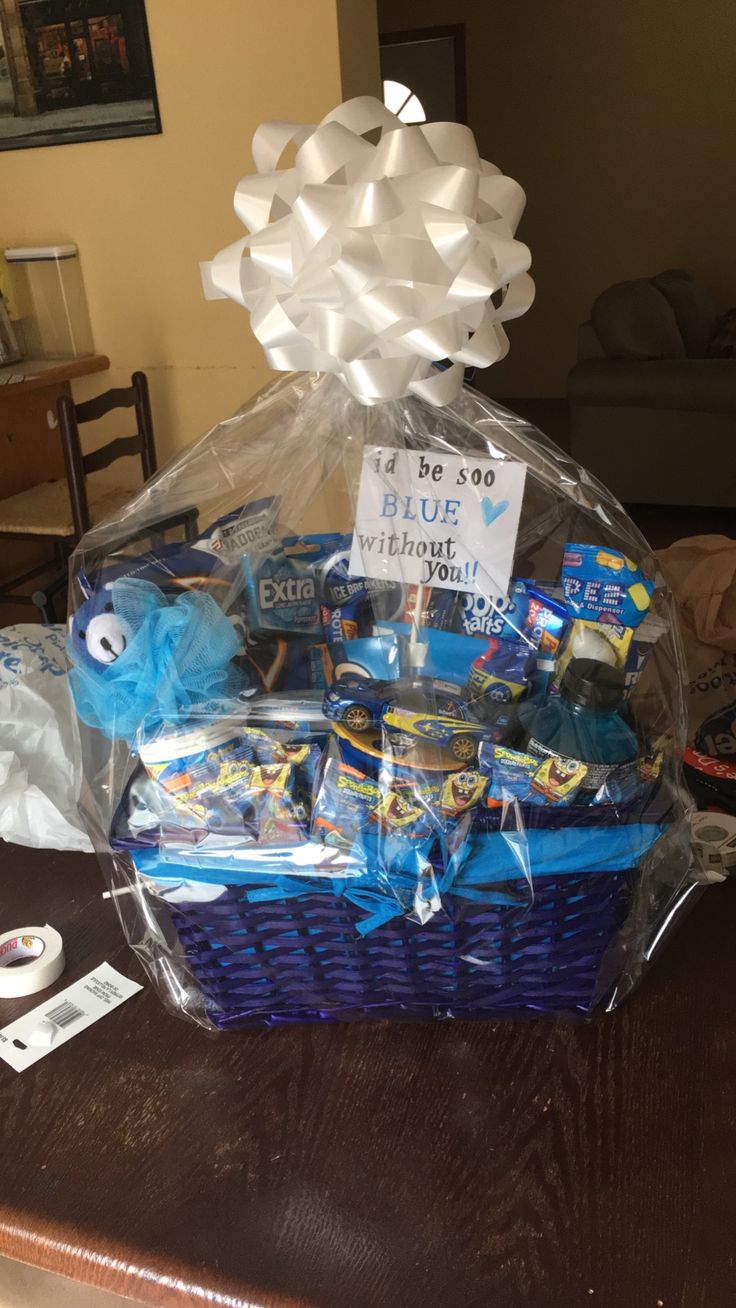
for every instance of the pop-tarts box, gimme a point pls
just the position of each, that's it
(483, 615)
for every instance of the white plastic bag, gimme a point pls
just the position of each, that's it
(40, 763)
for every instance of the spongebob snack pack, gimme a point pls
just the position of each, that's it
(380, 694)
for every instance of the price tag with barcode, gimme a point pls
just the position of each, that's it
(53, 1022)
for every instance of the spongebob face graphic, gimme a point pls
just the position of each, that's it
(557, 777)
(560, 771)
(461, 790)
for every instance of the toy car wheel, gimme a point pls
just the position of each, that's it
(500, 695)
(462, 748)
(357, 718)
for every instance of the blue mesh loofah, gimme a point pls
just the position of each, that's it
(178, 654)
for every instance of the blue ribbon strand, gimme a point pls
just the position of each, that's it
(487, 869)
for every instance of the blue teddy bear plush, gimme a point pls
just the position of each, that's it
(136, 650)
(97, 633)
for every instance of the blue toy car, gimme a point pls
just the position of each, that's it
(409, 711)
(459, 737)
(359, 702)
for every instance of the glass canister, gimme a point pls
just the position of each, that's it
(53, 319)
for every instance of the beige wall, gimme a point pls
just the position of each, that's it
(144, 211)
(619, 119)
(360, 68)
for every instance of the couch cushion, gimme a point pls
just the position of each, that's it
(633, 320)
(589, 347)
(690, 385)
(693, 306)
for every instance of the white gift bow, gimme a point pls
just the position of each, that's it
(373, 261)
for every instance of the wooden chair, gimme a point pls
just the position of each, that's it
(60, 512)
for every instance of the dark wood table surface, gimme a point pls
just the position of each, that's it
(40, 374)
(487, 1165)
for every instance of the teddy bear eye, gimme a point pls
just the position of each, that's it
(82, 635)
(108, 608)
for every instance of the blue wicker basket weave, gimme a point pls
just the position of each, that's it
(303, 959)
(499, 945)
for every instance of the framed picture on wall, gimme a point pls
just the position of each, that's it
(74, 70)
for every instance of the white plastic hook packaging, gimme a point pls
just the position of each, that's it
(380, 694)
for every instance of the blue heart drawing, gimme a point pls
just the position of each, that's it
(492, 511)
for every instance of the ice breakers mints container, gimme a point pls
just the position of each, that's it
(582, 723)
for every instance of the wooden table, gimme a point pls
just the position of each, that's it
(482, 1165)
(30, 448)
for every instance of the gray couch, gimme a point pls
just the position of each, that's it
(651, 415)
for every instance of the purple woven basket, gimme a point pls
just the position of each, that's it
(302, 959)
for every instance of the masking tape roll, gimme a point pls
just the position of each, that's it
(31, 959)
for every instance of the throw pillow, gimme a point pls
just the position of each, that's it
(633, 320)
(693, 306)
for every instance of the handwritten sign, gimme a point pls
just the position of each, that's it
(437, 519)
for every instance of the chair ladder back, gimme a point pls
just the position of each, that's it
(74, 464)
(145, 424)
(118, 397)
(110, 453)
(79, 465)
